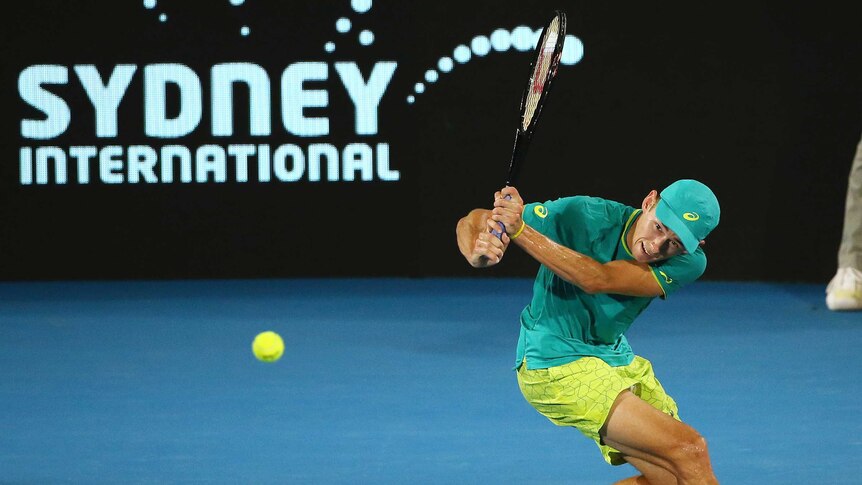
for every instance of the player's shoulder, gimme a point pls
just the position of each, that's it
(602, 209)
(588, 203)
(594, 211)
(689, 266)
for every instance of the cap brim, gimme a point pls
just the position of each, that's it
(667, 217)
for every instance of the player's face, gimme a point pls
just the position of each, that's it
(653, 241)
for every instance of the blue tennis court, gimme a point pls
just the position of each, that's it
(396, 381)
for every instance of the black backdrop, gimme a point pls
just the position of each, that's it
(759, 100)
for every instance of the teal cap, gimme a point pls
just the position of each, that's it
(690, 209)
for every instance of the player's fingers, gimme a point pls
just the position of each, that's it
(496, 241)
(503, 216)
(507, 223)
(506, 215)
(501, 210)
(499, 216)
(486, 239)
(492, 249)
(510, 221)
(510, 192)
(490, 239)
(493, 226)
(512, 204)
(485, 249)
(479, 247)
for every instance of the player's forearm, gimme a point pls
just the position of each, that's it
(574, 267)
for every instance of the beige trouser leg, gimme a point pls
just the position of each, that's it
(850, 252)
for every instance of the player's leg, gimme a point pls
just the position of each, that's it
(844, 291)
(645, 434)
(850, 251)
(652, 474)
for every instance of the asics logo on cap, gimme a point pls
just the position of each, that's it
(691, 216)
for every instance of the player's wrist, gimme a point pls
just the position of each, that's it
(519, 231)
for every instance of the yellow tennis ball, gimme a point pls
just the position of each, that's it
(268, 346)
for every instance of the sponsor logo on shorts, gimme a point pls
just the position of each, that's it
(541, 211)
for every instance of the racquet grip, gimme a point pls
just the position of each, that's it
(499, 233)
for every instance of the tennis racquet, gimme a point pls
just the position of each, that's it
(543, 68)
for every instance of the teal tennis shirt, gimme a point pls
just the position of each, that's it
(562, 323)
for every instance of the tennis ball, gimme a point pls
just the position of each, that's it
(268, 346)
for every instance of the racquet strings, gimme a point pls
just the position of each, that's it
(540, 71)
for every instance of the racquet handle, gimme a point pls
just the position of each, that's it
(499, 233)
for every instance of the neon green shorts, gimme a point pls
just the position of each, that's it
(581, 393)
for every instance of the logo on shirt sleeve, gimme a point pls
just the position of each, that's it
(667, 279)
(541, 211)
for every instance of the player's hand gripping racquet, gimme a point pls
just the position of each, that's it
(542, 72)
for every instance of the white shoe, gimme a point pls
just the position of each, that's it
(844, 292)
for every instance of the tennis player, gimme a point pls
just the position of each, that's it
(602, 263)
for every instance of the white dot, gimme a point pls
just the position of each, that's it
(342, 25)
(537, 34)
(419, 88)
(480, 45)
(361, 6)
(244, 30)
(431, 76)
(573, 50)
(445, 64)
(163, 17)
(366, 37)
(462, 54)
(411, 99)
(149, 3)
(237, 3)
(522, 38)
(501, 40)
(329, 47)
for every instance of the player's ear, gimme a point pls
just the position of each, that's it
(702, 243)
(650, 201)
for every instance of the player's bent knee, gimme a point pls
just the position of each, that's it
(691, 457)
